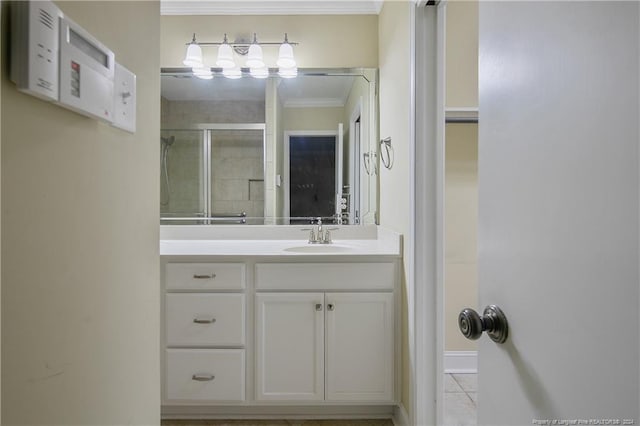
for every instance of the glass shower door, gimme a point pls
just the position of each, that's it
(213, 174)
(182, 171)
(237, 174)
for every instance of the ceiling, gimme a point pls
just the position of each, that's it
(270, 7)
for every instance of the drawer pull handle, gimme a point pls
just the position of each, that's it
(203, 377)
(204, 277)
(204, 320)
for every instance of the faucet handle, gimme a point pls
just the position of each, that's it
(318, 220)
(327, 235)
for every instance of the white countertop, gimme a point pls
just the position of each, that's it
(277, 248)
(383, 243)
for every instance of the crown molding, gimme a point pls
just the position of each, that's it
(270, 7)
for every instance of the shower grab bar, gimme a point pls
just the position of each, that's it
(227, 220)
(228, 215)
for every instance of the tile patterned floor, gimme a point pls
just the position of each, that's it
(460, 399)
(460, 409)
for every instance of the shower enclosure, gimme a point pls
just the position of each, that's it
(212, 174)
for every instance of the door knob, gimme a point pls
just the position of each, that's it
(493, 321)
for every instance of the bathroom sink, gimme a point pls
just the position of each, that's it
(319, 248)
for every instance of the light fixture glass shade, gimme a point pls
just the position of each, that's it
(225, 56)
(203, 73)
(232, 73)
(194, 56)
(254, 58)
(288, 72)
(285, 56)
(262, 72)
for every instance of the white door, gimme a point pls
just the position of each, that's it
(290, 346)
(558, 211)
(359, 346)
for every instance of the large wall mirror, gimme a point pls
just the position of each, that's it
(271, 150)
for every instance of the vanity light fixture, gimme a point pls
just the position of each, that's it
(194, 54)
(254, 58)
(285, 54)
(203, 72)
(225, 55)
(232, 73)
(288, 72)
(259, 72)
(255, 62)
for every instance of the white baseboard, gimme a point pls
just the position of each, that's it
(461, 362)
(400, 416)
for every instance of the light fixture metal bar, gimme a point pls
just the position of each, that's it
(240, 44)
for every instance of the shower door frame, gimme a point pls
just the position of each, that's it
(206, 195)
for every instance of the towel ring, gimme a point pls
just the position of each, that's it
(385, 147)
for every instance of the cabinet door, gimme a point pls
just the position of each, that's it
(360, 362)
(290, 346)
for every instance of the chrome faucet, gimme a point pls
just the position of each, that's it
(319, 235)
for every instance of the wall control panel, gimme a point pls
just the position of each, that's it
(87, 70)
(57, 60)
(124, 108)
(34, 48)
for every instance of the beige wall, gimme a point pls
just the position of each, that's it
(368, 141)
(461, 219)
(313, 118)
(325, 41)
(80, 302)
(462, 53)
(461, 170)
(395, 96)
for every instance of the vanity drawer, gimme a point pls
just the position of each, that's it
(205, 374)
(325, 276)
(205, 276)
(205, 319)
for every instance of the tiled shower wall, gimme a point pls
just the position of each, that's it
(184, 167)
(237, 173)
(237, 158)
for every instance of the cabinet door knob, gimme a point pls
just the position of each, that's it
(204, 320)
(203, 377)
(318, 306)
(331, 307)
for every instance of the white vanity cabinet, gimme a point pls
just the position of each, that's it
(359, 346)
(325, 331)
(290, 346)
(204, 332)
(297, 332)
(257, 334)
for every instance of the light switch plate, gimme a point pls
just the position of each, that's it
(124, 101)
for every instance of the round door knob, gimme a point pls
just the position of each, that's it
(493, 321)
